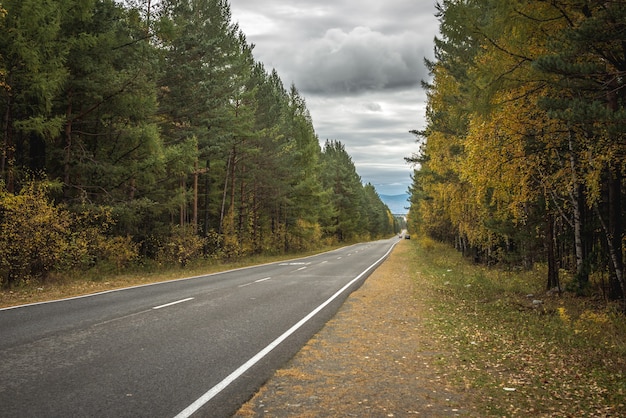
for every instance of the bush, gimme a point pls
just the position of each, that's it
(36, 237)
(182, 246)
(120, 251)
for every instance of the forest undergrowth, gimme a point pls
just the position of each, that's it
(519, 349)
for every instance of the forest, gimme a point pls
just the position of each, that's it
(145, 130)
(522, 158)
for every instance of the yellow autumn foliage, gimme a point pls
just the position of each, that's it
(35, 236)
(182, 246)
(38, 237)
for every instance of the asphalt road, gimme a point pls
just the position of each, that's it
(198, 346)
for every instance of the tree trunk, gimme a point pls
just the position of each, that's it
(68, 147)
(4, 157)
(228, 165)
(242, 202)
(617, 287)
(553, 270)
(578, 201)
(183, 204)
(196, 173)
(616, 281)
(207, 196)
(232, 180)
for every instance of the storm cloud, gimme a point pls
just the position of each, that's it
(359, 66)
(356, 61)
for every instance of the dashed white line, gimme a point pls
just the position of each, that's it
(301, 268)
(256, 281)
(172, 303)
(211, 393)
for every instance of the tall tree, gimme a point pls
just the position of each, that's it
(110, 148)
(524, 127)
(33, 57)
(194, 87)
(341, 178)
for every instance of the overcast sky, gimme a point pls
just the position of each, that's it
(359, 65)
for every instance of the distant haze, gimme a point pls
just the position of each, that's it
(397, 204)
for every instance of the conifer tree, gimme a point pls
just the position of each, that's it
(33, 56)
(340, 177)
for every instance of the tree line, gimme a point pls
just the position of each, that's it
(145, 129)
(523, 156)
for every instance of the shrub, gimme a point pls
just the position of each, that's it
(182, 246)
(36, 237)
(120, 251)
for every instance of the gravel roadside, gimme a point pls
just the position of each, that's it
(373, 359)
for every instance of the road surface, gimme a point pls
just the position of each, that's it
(198, 346)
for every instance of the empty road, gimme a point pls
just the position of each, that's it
(198, 346)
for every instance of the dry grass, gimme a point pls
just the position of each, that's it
(374, 358)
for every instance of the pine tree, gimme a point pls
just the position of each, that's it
(33, 57)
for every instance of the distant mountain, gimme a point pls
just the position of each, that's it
(397, 203)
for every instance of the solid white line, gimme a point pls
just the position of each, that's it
(172, 303)
(211, 393)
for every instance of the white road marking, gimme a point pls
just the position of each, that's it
(99, 324)
(172, 303)
(211, 393)
(301, 268)
(122, 289)
(256, 281)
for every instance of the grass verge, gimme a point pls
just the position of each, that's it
(100, 280)
(518, 350)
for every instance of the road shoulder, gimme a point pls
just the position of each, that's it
(374, 358)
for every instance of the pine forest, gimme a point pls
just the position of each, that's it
(141, 131)
(523, 156)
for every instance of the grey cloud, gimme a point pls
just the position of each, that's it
(359, 64)
(357, 61)
(373, 107)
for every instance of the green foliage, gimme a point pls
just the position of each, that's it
(167, 139)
